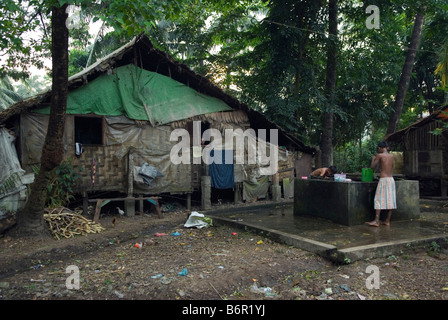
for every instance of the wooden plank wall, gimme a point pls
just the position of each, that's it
(422, 139)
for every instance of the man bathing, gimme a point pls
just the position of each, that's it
(385, 197)
(324, 172)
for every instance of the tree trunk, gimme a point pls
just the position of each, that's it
(30, 220)
(326, 143)
(406, 72)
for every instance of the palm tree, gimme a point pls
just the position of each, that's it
(24, 87)
(8, 95)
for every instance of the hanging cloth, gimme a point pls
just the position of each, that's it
(222, 175)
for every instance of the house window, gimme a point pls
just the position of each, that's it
(89, 130)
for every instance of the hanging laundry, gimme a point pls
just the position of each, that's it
(222, 175)
(149, 173)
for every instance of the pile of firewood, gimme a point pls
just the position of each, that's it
(64, 223)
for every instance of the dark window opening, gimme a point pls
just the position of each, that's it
(198, 135)
(89, 130)
(204, 126)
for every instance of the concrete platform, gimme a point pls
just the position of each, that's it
(336, 242)
(351, 203)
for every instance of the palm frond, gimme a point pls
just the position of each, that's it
(8, 97)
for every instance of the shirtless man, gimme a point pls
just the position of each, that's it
(385, 197)
(324, 172)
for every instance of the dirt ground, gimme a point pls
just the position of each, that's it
(212, 263)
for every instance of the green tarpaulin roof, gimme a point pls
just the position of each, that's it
(140, 95)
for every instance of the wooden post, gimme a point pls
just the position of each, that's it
(130, 204)
(140, 203)
(96, 217)
(129, 207)
(85, 203)
(189, 201)
(206, 192)
(155, 204)
(276, 189)
(236, 194)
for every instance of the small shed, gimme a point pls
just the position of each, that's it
(425, 154)
(121, 112)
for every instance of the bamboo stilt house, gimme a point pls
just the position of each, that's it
(121, 112)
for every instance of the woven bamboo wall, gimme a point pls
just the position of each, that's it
(110, 173)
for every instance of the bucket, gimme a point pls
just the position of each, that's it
(340, 177)
(367, 175)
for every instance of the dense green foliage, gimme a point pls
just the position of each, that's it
(59, 191)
